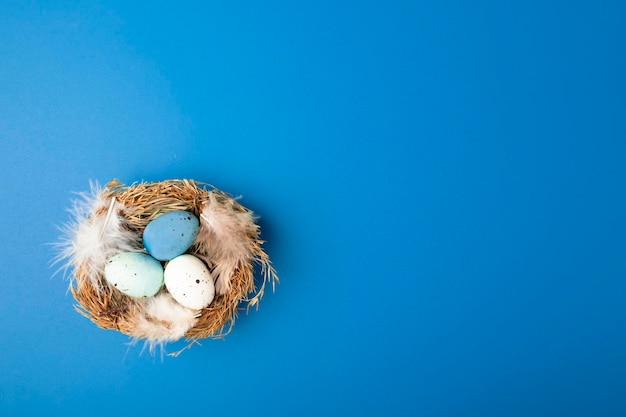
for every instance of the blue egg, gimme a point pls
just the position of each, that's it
(170, 234)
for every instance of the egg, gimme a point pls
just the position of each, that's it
(170, 234)
(134, 273)
(189, 282)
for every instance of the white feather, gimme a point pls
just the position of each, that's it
(225, 232)
(89, 240)
(163, 320)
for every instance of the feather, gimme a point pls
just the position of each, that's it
(162, 320)
(225, 233)
(96, 232)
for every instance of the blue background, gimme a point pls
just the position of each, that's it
(441, 188)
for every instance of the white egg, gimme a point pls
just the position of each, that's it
(189, 282)
(135, 274)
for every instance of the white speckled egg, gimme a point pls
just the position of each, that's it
(189, 282)
(135, 274)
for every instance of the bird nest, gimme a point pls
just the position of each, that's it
(111, 219)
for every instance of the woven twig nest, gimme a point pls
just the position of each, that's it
(112, 219)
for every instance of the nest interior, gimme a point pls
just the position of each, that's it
(140, 203)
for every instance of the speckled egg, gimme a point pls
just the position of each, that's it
(189, 282)
(135, 274)
(170, 234)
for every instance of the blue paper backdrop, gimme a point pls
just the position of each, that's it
(440, 184)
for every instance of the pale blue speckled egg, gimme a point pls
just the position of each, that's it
(134, 273)
(171, 234)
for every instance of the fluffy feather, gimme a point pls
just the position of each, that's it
(96, 232)
(224, 231)
(163, 320)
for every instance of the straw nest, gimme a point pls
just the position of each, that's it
(132, 207)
